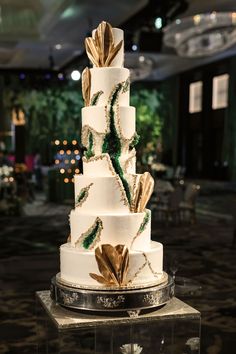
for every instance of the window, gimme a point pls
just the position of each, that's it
(220, 91)
(195, 97)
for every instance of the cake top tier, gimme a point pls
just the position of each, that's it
(106, 46)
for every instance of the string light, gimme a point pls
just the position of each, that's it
(74, 142)
(61, 152)
(76, 152)
(72, 180)
(66, 180)
(11, 179)
(64, 142)
(77, 170)
(57, 162)
(57, 142)
(67, 161)
(69, 170)
(62, 170)
(72, 161)
(68, 152)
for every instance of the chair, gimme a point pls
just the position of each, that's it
(175, 200)
(167, 205)
(179, 172)
(187, 206)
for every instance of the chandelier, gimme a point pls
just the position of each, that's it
(202, 35)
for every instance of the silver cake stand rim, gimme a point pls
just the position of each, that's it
(162, 281)
(123, 300)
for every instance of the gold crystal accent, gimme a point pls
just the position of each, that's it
(143, 192)
(101, 49)
(86, 86)
(113, 263)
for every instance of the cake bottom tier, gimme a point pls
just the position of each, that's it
(144, 267)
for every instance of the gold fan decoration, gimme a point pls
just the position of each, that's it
(101, 49)
(142, 192)
(113, 263)
(86, 86)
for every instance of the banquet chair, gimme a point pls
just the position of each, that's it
(176, 197)
(167, 206)
(188, 205)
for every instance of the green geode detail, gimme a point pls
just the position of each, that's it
(126, 85)
(112, 143)
(143, 226)
(91, 237)
(144, 222)
(134, 141)
(95, 98)
(90, 153)
(82, 196)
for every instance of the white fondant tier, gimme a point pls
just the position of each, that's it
(105, 79)
(95, 117)
(116, 229)
(104, 195)
(76, 265)
(100, 167)
(118, 34)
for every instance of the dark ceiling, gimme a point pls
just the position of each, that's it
(49, 34)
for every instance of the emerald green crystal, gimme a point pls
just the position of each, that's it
(89, 153)
(83, 195)
(134, 141)
(95, 98)
(144, 222)
(112, 142)
(93, 232)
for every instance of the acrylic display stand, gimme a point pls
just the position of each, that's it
(171, 329)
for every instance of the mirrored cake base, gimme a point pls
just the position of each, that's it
(126, 299)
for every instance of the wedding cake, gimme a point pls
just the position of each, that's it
(110, 241)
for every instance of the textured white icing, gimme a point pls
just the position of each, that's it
(96, 118)
(100, 167)
(117, 229)
(76, 265)
(103, 196)
(97, 168)
(106, 79)
(118, 34)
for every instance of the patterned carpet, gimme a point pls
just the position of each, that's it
(201, 253)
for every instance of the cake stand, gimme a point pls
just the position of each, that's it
(130, 299)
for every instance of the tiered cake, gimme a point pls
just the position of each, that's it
(110, 243)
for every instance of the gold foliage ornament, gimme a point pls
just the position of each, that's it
(142, 192)
(113, 263)
(86, 86)
(101, 49)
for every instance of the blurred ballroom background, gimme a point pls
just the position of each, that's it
(182, 58)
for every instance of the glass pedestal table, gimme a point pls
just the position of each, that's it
(171, 329)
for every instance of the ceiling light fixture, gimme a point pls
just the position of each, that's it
(75, 75)
(58, 46)
(202, 34)
(158, 23)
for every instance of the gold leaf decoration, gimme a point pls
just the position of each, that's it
(142, 192)
(101, 49)
(113, 264)
(86, 86)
